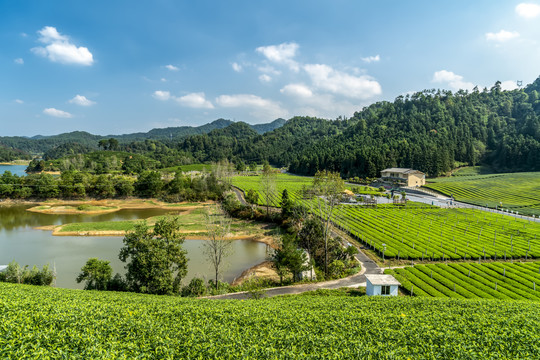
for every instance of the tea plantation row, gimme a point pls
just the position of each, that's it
(55, 323)
(497, 280)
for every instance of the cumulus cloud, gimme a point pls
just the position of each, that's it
(261, 108)
(57, 113)
(19, 101)
(528, 10)
(236, 67)
(454, 81)
(265, 78)
(58, 48)
(81, 101)
(502, 36)
(297, 90)
(19, 61)
(371, 59)
(195, 100)
(326, 78)
(281, 54)
(509, 85)
(161, 95)
(171, 67)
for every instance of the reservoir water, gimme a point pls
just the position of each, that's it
(15, 169)
(20, 241)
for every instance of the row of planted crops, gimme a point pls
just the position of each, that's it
(38, 322)
(493, 280)
(441, 234)
(517, 191)
(423, 232)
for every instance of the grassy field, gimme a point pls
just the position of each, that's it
(57, 323)
(516, 191)
(293, 183)
(496, 280)
(188, 168)
(191, 222)
(438, 234)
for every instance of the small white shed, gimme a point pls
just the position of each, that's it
(385, 285)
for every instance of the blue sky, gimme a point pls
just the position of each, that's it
(121, 66)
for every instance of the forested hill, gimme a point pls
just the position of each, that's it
(40, 144)
(431, 130)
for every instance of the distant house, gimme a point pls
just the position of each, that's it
(408, 177)
(384, 285)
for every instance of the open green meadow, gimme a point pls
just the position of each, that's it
(494, 280)
(515, 191)
(39, 322)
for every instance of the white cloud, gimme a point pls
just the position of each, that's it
(19, 101)
(171, 67)
(81, 100)
(281, 54)
(162, 95)
(57, 113)
(509, 85)
(59, 49)
(19, 61)
(502, 36)
(195, 100)
(371, 59)
(265, 78)
(326, 78)
(236, 67)
(528, 10)
(297, 90)
(261, 108)
(454, 81)
(163, 80)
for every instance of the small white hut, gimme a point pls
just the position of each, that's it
(385, 285)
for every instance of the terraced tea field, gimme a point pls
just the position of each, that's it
(496, 280)
(441, 234)
(516, 191)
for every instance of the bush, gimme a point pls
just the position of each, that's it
(195, 288)
(15, 274)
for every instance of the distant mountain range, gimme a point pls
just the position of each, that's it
(39, 143)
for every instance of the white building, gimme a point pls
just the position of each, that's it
(385, 285)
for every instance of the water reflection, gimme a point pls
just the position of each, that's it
(19, 241)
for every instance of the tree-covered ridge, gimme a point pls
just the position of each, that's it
(7, 155)
(431, 130)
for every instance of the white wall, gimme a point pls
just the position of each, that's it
(373, 290)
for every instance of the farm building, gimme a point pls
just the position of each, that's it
(385, 285)
(408, 177)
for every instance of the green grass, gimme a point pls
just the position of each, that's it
(516, 191)
(440, 234)
(293, 183)
(125, 225)
(56, 323)
(496, 280)
(188, 168)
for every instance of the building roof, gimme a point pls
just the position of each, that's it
(376, 279)
(402, 171)
(3, 267)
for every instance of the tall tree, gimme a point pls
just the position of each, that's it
(218, 246)
(329, 187)
(156, 262)
(268, 185)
